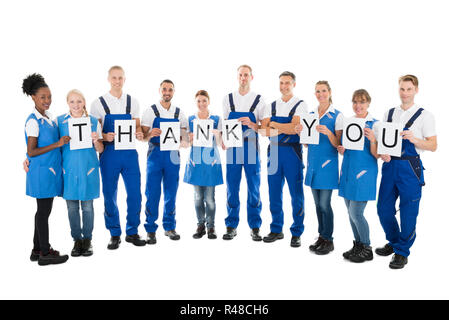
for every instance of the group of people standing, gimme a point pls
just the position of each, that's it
(53, 169)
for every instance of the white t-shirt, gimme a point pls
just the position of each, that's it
(149, 116)
(283, 108)
(423, 127)
(32, 127)
(219, 125)
(243, 104)
(116, 106)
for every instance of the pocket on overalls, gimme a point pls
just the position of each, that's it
(417, 169)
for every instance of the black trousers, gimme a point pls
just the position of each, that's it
(41, 233)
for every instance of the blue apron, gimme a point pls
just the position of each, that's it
(322, 158)
(247, 158)
(114, 163)
(358, 177)
(80, 167)
(285, 163)
(402, 177)
(162, 166)
(44, 178)
(204, 165)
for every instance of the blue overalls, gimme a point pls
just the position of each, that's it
(246, 157)
(204, 165)
(112, 164)
(322, 158)
(162, 166)
(80, 167)
(358, 179)
(44, 178)
(402, 177)
(287, 164)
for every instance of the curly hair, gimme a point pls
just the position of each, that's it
(32, 83)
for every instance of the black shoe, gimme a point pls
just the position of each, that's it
(325, 247)
(77, 250)
(87, 248)
(315, 246)
(355, 248)
(398, 261)
(271, 237)
(151, 238)
(385, 250)
(35, 255)
(365, 253)
(200, 232)
(230, 233)
(114, 243)
(295, 242)
(255, 234)
(53, 257)
(211, 233)
(172, 235)
(136, 240)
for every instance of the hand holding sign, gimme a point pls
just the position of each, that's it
(309, 133)
(232, 133)
(125, 134)
(80, 133)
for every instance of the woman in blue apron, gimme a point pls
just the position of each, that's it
(203, 170)
(44, 177)
(322, 167)
(81, 175)
(358, 180)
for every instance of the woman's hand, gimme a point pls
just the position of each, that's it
(369, 133)
(341, 149)
(385, 157)
(26, 165)
(139, 135)
(64, 140)
(323, 129)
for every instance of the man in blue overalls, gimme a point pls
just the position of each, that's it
(162, 166)
(403, 176)
(285, 159)
(115, 105)
(247, 107)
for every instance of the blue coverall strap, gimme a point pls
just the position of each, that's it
(177, 111)
(390, 115)
(256, 101)
(231, 102)
(273, 109)
(105, 105)
(292, 112)
(413, 118)
(128, 104)
(156, 112)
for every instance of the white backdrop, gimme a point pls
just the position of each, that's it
(199, 44)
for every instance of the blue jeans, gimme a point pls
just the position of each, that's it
(73, 207)
(324, 212)
(358, 222)
(205, 205)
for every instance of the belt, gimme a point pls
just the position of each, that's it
(405, 158)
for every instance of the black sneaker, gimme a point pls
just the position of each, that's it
(295, 242)
(315, 246)
(136, 240)
(385, 250)
(398, 261)
(354, 249)
(77, 250)
(272, 237)
(325, 247)
(255, 235)
(114, 243)
(87, 248)
(151, 238)
(200, 232)
(230, 233)
(35, 255)
(365, 253)
(211, 233)
(53, 257)
(172, 235)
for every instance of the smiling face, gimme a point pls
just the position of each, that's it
(407, 92)
(360, 106)
(76, 104)
(322, 94)
(166, 91)
(245, 77)
(286, 85)
(42, 99)
(117, 79)
(202, 102)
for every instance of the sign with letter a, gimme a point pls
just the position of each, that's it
(389, 140)
(232, 133)
(80, 133)
(125, 134)
(353, 136)
(170, 138)
(309, 134)
(203, 133)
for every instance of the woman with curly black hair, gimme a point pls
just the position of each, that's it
(44, 178)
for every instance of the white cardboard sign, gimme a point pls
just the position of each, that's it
(309, 134)
(80, 133)
(125, 134)
(170, 138)
(232, 133)
(389, 140)
(353, 135)
(203, 133)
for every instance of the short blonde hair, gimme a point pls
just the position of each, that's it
(409, 77)
(246, 66)
(78, 93)
(116, 68)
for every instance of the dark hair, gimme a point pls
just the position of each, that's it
(288, 74)
(32, 83)
(167, 81)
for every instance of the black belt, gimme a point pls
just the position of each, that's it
(405, 158)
